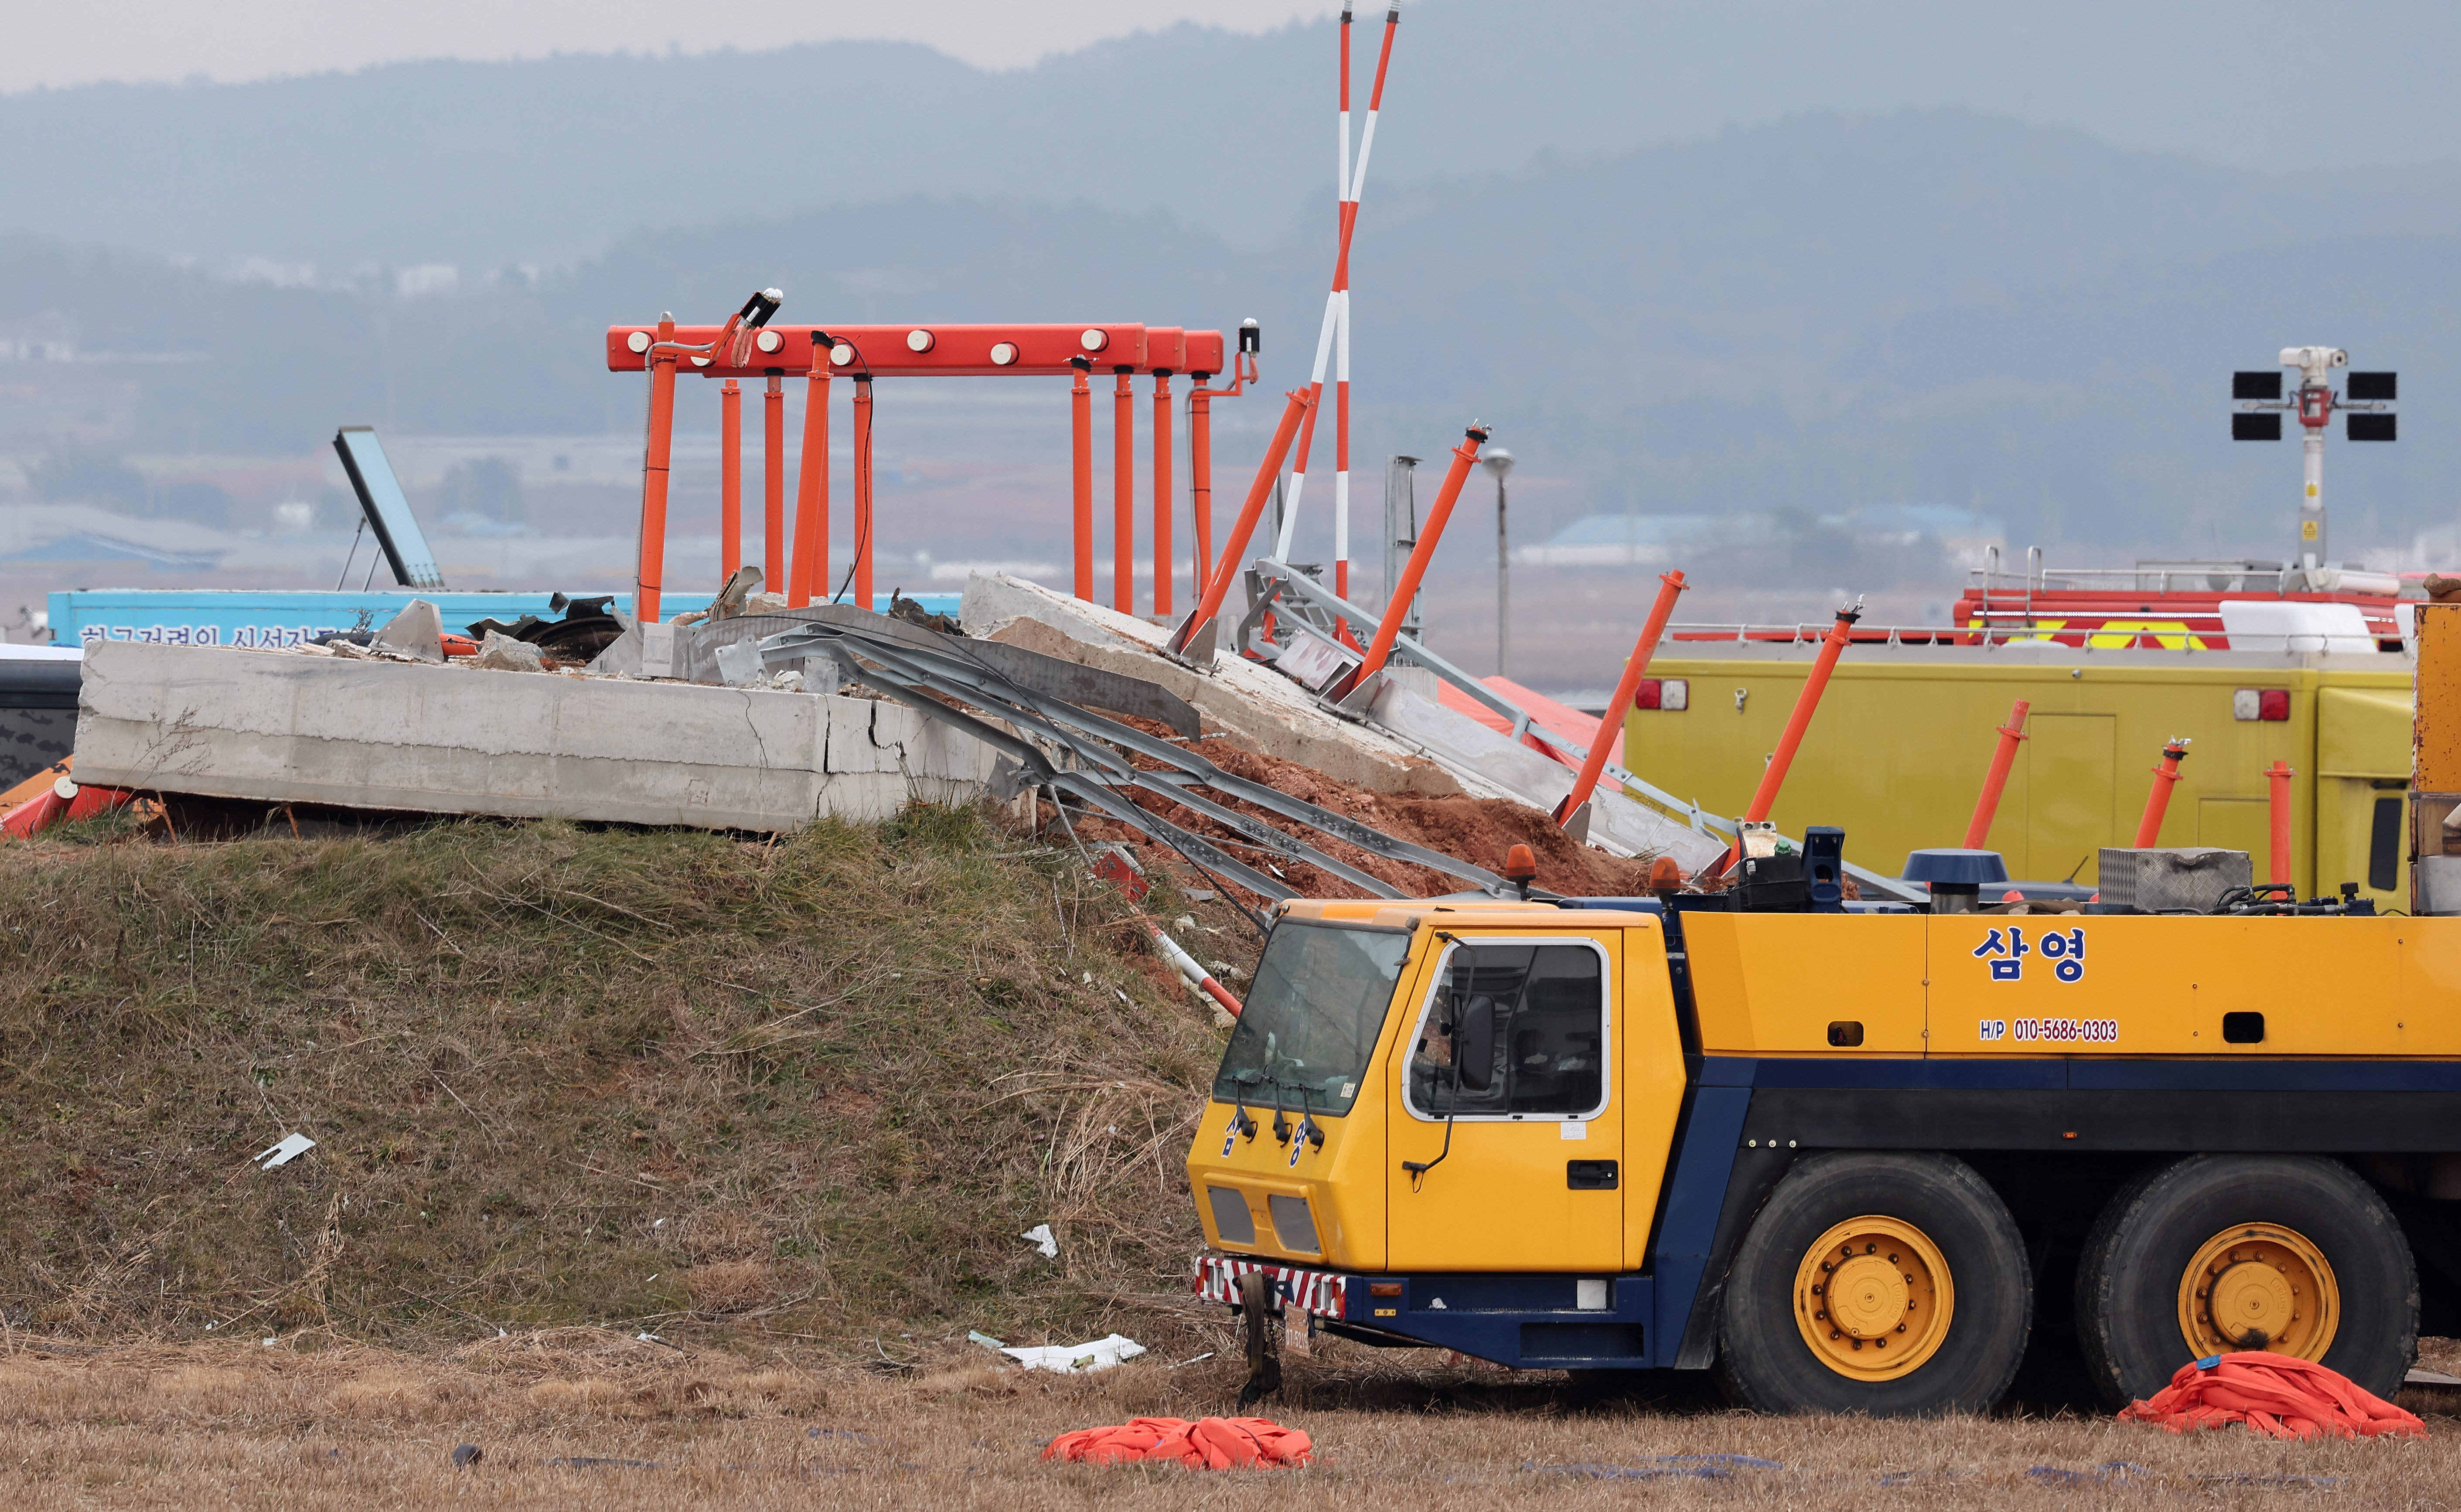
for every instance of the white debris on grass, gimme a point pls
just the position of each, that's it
(291, 1147)
(1072, 1359)
(1040, 1238)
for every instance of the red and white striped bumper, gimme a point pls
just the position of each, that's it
(1316, 1291)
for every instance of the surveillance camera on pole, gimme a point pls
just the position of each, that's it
(2261, 407)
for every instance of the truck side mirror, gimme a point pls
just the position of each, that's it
(1474, 1045)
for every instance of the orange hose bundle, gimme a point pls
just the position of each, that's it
(1209, 1443)
(2273, 1394)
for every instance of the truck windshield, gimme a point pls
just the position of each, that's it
(1311, 1020)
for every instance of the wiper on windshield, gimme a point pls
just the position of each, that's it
(1308, 1128)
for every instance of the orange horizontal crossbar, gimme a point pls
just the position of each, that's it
(948, 351)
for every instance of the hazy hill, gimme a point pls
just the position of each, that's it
(1819, 313)
(485, 166)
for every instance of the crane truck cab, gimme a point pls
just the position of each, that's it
(1835, 1156)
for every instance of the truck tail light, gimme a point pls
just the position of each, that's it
(1647, 692)
(1673, 695)
(2269, 704)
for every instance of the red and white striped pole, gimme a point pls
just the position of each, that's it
(1335, 332)
(1187, 967)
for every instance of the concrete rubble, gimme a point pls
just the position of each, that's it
(1409, 744)
(686, 724)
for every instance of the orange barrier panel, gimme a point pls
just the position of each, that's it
(730, 479)
(1162, 504)
(1670, 587)
(772, 485)
(1123, 492)
(1398, 605)
(888, 352)
(2003, 756)
(2157, 803)
(1296, 404)
(811, 558)
(2279, 775)
(1080, 454)
(863, 514)
(1806, 704)
(649, 573)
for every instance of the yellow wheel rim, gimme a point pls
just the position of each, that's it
(1873, 1298)
(2259, 1287)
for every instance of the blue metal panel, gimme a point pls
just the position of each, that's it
(1695, 1191)
(2043, 1074)
(254, 617)
(2087, 1074)
(1527, 1322)
(2081, 1073)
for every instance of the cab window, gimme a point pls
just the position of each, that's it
(1549, 1008)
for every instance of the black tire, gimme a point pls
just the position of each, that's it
(1762, 1359)
(2127, 1279)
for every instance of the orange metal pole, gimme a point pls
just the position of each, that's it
(1996, 781)
(2157, 803)
(1670, 587)
(773, 485)
(1258, 492)
(1080, 436)
(812, 486)
(730, 479)
(862, 491)
(1464, 455)
(2279, 774)
(1806, 703)
(1200, 476)
(1124, 493)
(1162, 501)
(650, 573)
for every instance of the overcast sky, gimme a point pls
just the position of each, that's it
(156, 40)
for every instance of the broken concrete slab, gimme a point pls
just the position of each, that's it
(256, 725)
(1253, 708)
(1412, 745)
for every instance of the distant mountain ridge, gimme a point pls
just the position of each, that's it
(485, 166)
(1816, 315)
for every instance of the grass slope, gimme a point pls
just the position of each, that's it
(666, 1081)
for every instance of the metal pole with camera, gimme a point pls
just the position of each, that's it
(2261, 407)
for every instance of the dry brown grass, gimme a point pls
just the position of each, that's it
(686, 1083)
(352, 1426)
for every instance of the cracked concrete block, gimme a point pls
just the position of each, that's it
(257, 725)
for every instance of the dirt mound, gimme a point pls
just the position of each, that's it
(1476, 830)
(668, 1081)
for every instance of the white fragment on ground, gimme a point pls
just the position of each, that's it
(1040, 1238)
(1071, 1360)
(291, 1147)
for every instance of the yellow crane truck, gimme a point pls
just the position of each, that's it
(1852, 1155)
(1839, 1157)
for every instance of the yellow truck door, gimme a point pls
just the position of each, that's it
(1532, 1179)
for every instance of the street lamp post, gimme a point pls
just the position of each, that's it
(1500, 462)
